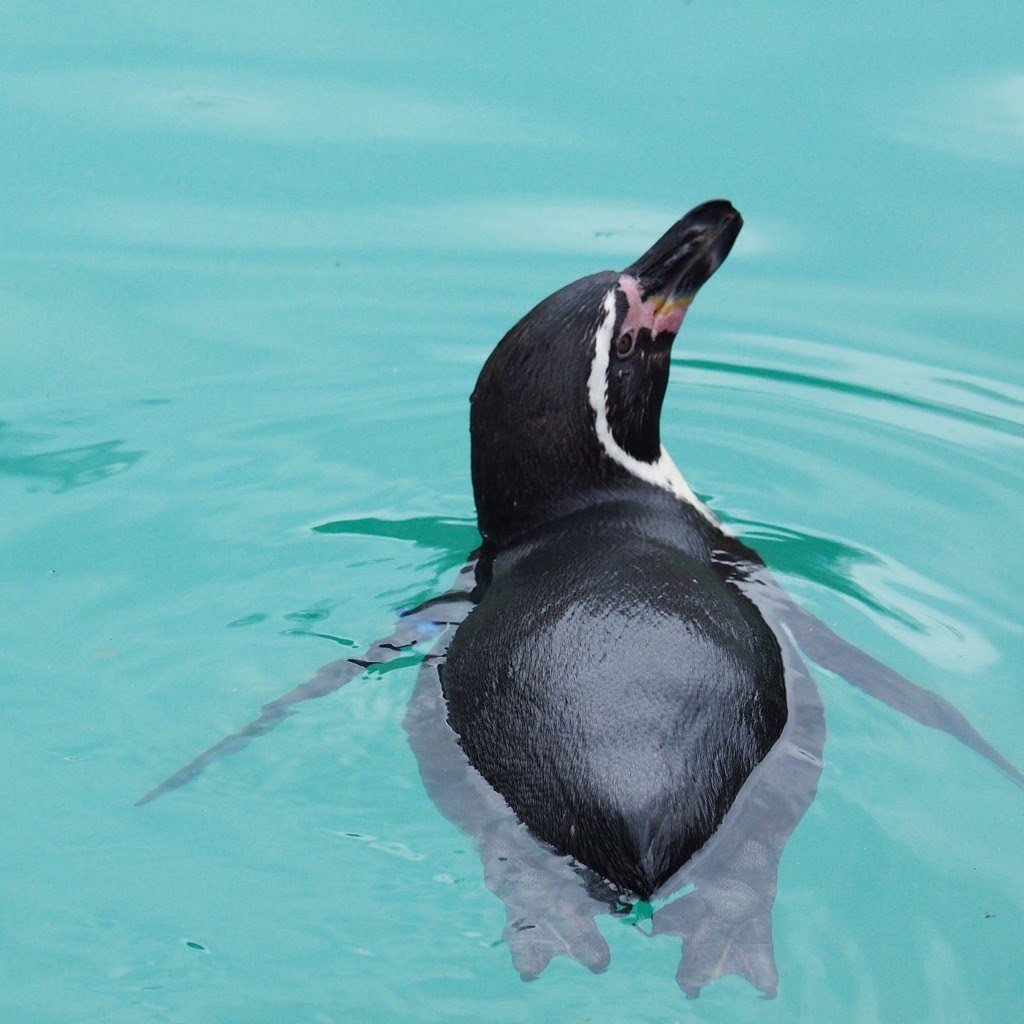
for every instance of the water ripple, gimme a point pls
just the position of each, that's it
(994, 407)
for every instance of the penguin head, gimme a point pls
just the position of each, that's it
(568, 406)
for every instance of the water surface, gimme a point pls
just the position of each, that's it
(250, 265)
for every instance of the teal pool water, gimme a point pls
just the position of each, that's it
(250, 264)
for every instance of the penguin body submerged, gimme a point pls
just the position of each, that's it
(613, 684)
(615, 688)
(613, 672)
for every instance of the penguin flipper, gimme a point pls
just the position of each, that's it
(424, 622)
(831, 651)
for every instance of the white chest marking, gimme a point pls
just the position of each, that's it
(663, 472)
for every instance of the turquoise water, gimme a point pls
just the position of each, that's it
(251, 264)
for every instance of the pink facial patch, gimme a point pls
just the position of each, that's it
(657, 314)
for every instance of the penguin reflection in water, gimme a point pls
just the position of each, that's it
(623, 709)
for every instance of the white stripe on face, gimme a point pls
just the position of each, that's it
(663, 472)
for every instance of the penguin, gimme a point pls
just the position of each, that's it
(613, 697)
(613, 684)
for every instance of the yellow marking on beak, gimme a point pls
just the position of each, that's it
(670, 305)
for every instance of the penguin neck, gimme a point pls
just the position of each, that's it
(542, 446)
(662, 472)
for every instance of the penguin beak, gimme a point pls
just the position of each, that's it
(671, 272)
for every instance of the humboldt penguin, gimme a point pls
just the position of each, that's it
(615, 703)
(614, 685)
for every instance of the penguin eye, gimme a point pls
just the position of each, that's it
(625, 345)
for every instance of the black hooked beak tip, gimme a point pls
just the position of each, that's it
(675, 267)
